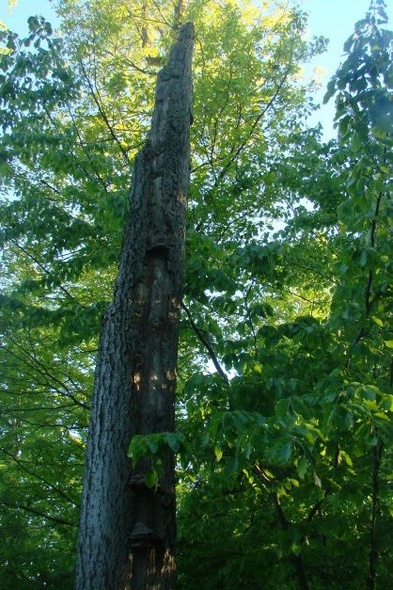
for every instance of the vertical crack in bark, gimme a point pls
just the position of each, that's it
(127, 531)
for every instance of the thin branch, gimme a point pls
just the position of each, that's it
(103, 115)
(206, 344)
(22, 465)
(32, 510)
(375, 512)
(50, 379)
(131, 63)
(251, 323)
(369, 301)
(236, 153)
(296, 559)
(43, 268)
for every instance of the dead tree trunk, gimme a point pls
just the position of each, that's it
(127, 531)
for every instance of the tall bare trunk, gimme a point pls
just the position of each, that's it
(127, 531)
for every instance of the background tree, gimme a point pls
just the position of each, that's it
(301, 475)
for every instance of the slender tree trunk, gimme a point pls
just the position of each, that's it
(127, 531)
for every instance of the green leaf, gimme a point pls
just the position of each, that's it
(284, 452)
(151, 478)
(218, 453)
(302, 466)
(330, 91)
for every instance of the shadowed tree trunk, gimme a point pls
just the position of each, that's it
(127, 531)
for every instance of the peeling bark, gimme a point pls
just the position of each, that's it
(127, 531)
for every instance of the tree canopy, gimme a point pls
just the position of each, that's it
(285, 370)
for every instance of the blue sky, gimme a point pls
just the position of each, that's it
(334, 19)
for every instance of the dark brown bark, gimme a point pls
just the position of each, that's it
(127, 531)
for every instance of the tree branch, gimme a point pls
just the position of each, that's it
(37, 512)
(297, 560)
(103, 115)
(206, 344)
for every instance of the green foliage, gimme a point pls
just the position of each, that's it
(285, 361)
(294, 448)
(154, 448)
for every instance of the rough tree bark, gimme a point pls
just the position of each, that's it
(127, 531)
